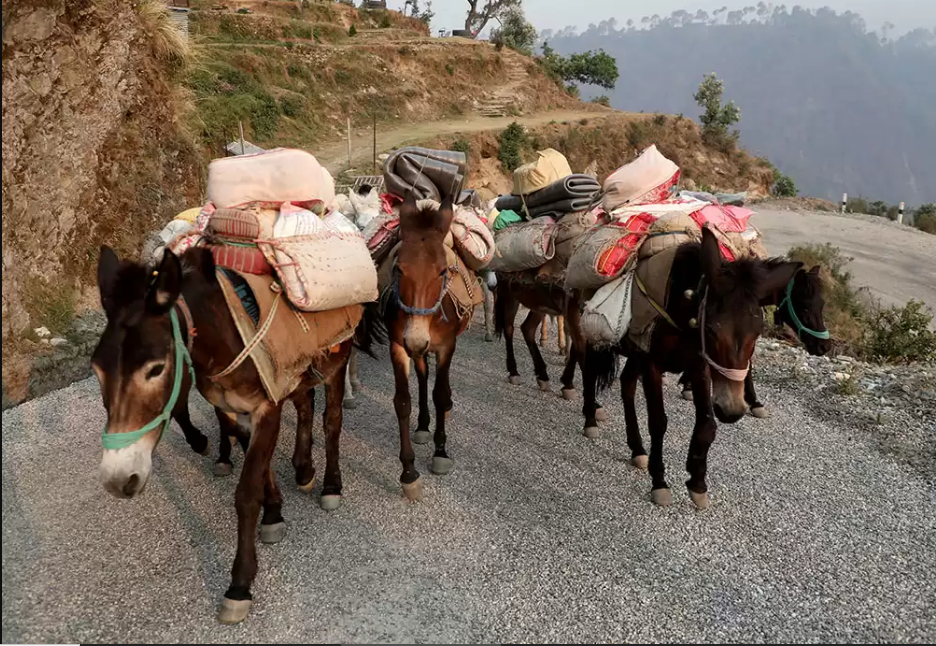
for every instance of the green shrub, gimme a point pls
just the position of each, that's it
(352, 30)
(784, 186)
(572, 90)
(450, 69)
(924, 218)
(901, 334)
(659, 120)
(385, 22)
(512, 142)
(602, 100)
(858, 205)
(292, 105)
(461, 146)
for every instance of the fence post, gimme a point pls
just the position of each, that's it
(844, 201)
(900, 211)
(349, 143)
(240, 130)
(375, 142)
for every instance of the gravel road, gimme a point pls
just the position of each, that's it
(896, 262)
(815, 534)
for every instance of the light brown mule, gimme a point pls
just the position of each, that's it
(422, 318)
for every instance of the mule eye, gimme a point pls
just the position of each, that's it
(155, 371)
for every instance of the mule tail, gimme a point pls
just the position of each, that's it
(370, 330)
(603, 362)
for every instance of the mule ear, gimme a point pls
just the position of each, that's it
(166, 285)
(408, 209)
(108, 262)
(446, 214)
(778, 277)
(711, 254)
(815, 270)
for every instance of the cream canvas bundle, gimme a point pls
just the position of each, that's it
(471, 237)
(632, 182)
(279, 175)
(526, 245)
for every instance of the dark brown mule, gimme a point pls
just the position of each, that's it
(542, 299)
(716, 318)
(800, 307)
(422, 319)
(140, 363)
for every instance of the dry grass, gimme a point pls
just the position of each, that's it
(167, 40)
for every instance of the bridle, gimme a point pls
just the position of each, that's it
(420, 311)
(117, 441)
(732, 374)
(800, 328)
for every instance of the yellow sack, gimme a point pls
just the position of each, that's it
(189, 215)
(550, 165)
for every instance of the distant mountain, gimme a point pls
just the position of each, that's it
(838, 108)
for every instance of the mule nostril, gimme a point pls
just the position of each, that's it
(130, 488)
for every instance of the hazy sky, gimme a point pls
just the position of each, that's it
(556, 14)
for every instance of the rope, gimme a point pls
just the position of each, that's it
(800, 328)
(261, 332)
(117, 441)
(421, 311)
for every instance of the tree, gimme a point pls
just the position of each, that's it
(478, 19)
(784, 186)
(515, 32)
(924, 218)
(716, 118)
(592, 68)
(411, 8)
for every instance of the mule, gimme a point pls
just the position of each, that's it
(803, 294)
(708, 331)
(144, 361)
(561, 339)
(421, 319)
(542, 299)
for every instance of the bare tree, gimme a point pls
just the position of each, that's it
(478, 19)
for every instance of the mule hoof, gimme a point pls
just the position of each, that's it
(234, 611)
(422, 437)
(640, 462)
(222, 469)
(350, 404)
(568, 394)
(701, 500)
(488, 337)
(331, 502)
(601, 414)
(307, 487)
(591, 432)
(687, 395)
(759, 412)
(662, 497)
(413, 491)
(544, 386)
(272, 533)
(442, 466)
(514, 380)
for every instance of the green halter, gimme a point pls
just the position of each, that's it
(116, 441)
(800, 328)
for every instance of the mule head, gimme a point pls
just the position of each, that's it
(733, 319)
(134, 361)
(807, 304)
(422, 269)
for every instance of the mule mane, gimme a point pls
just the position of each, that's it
(425, 218)
(740, 279)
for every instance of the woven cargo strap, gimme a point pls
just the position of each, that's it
(655, 305)
(261, 332)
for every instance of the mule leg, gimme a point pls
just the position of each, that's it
(442, 399)
(272, 525)
(528, 328)
(332, 419)
(686, 386)
(561, 333)
(349, 401)
(488, 311)
(228, 430)
(703, 434)
(510, 307)
(195, 438)
(630, 375)
(589, 387)
(353, 371)
(402, 403)
(250, 494)
(656, 420)
(544, 332)
(422, 435)
(750, 397)
(577, 352)
(302, 453)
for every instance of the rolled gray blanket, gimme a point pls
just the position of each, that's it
(572, 193)
(430, 174)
